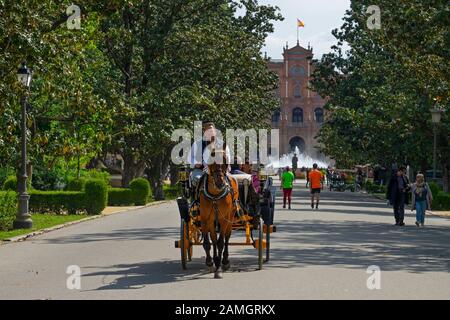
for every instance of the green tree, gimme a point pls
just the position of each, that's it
(378, 101)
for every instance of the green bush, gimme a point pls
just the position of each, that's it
(48, 179)
(140, 189)
(375, 188)
(76, 184)
(8, 209)
(92, 200)
(172, 192)
(57, 202)
(441, 201)
(435, 189)
(11, 184)
(120, 197)
(96, 196)
(92, 174)
(5, 172)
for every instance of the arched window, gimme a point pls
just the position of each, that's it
(297, 142)
(276, 116)
(298, 71)
(298, 90)
(318, 115)
(297, 115)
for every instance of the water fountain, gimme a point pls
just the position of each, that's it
(304, 160)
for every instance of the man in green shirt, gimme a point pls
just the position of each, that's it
(287, 183)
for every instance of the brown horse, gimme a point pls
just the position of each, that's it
(218, 205)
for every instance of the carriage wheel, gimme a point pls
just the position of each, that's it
(185, 247)
(260, 244)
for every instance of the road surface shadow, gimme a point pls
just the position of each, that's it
(356, 244)
(139, 275)
(120, 235)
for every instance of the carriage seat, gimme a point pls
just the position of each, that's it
(240, 178)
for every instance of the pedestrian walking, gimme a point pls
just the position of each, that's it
(307, 177)
(294, 164)
(421, 199)
(315, 185)
(287, 183)
(397, 194)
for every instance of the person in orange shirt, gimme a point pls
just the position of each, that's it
(315, 185)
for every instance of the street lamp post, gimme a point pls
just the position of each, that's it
(436, 114)
(23, 217)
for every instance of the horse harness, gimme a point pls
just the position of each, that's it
(215, 198)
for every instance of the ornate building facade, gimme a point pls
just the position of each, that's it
(301, 114)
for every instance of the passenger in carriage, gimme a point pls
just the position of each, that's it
(246, 167)
(201, 153)
(255, 179)
(201, 149)
(236, 166)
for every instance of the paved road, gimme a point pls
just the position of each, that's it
(316, 255)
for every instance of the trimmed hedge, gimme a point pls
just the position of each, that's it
(95, 196)
(441, 201)
(140, 189)
(92, 201)
(8, 209)
(76, 184)
(91, 174)
(120, 197)
(172, 192)
(57, 202)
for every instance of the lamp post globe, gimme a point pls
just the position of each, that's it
(24, 75)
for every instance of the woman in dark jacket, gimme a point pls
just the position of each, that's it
(397, 194)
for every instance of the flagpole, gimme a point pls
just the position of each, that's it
(298, 39)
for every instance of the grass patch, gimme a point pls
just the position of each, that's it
(42, 221)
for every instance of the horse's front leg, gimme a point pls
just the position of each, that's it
(220, 246)
(216, 258)
(225, 261)
(207, 247)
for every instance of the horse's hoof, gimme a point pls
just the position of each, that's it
(217, 275)
(226, 266)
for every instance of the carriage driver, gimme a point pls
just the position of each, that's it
(200, 152)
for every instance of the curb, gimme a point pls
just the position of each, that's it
(436, 214)
(428, 212)
(24, 237)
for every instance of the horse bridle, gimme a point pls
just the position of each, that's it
(225, 191)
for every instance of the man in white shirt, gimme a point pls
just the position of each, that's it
(200, 155)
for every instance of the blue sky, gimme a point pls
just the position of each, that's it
(319, 16)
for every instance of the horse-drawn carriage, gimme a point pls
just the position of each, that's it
(225, 203)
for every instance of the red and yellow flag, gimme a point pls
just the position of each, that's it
(300, 23)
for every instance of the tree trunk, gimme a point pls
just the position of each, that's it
(445, 176)
(156, 181)
(131, 169)
(29, 172)
(157, 167)
(423, 166)
(173, 175)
